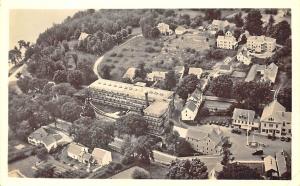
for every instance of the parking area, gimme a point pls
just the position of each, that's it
(241, 151)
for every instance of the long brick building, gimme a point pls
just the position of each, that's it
(154, 104)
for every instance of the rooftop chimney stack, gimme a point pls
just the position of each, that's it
(146, 99)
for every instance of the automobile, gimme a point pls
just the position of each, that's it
(236, 131)
(258, 152)
(287, 139)
(269, 136)
(282, 139)
(227, 125)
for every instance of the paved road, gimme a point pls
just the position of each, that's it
(99, 60)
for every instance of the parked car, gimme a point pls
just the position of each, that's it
(236, 131)
(287, 139)
(258, 152)
(269, 136)
(282, 139)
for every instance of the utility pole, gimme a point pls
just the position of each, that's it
(248, 129)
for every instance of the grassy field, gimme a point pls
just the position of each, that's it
(162, 54)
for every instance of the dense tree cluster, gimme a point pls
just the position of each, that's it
(187, 169)
(148, 26)
(222, 86)
(92, 132)
(132, 124)
(140, 149)
(252, 94)
(254, 23)
(177, 146)
(187, 86)
(238, 171)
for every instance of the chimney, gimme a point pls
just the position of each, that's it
(146, 99)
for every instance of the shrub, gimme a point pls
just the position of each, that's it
(150, 50)
(140, 174)
(113, 54)
(127, 160)
(120, 55)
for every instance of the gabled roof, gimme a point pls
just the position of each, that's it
(196, 133)
(99, 154)
(39, 134)
(191, 105)
(48, 140)
(275, 112)
(271, 72)
(243, 114)
(270, 163)
(225, 67)
(75, 148)
(281, 162)
(195, 71)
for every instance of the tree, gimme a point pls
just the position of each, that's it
(243, 40)
(254, 23)
(88, 111)
(282, 32)
(271, 20)
(70, 111)
(92, 132)
(219, 33)
(45, 172)
(75, 78)
(23, 130)
(141, 149)
(42, 153)
(238, 20)
(141, 71)
(238, 171)
(24, 84)
(147, 24)
(105, 72)
(140, 174)
(237, 32)
(211, 14)
(222, 86)
(170, 80)
(60, 76)
(285, 98)
(187, 169)
(187, 86)
(63, 89)
(132, 124)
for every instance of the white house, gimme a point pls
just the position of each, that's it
(244, 57)
(275, 120)
(228, 41)
(180, 30)
(78, 152)
(101, 156)
(204, 142)
(192, 105)
(245, 119)
(270, 166)
(49, 140)
(268, 73)
(261, 43)
(156, 76)
(196, 71)
(164, 29)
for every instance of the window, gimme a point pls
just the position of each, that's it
(290, 131)
(265, 125)
(263, 130)
(270, 125)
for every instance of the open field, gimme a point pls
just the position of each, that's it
(162, 54)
